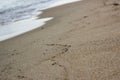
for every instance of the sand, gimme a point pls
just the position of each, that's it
(82, 42)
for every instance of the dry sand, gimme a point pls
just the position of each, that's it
(81, 43)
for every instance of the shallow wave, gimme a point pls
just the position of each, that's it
(6, 4)
(26, 9)
(15, 10)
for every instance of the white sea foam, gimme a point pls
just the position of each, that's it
(21, 27)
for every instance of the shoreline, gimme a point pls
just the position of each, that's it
(80, 43)
(42, 16)
(33, 23)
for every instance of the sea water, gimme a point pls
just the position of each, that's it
(19, 16)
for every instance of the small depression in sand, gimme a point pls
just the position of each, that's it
(21, 27)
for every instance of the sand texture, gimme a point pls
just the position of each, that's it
(82, 42)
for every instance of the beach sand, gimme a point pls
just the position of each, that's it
(82, 42)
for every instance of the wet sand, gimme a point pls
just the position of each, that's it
(82, 42)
